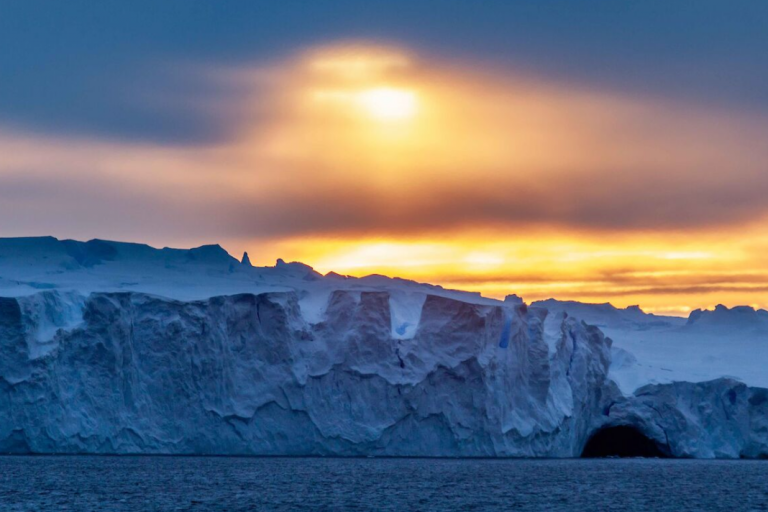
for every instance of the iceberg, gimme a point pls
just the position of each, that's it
(108, 347)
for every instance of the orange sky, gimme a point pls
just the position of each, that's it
(364, 158)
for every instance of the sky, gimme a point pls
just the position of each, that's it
(599, 151)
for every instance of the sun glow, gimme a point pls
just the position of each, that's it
(364, 160)
(388, 104)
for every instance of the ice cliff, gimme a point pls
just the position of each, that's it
(121, 348)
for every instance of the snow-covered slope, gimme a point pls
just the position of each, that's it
(115, 348)
(610, 318)
(651, 349)
(30, 265)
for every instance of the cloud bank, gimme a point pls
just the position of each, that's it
(311, 154)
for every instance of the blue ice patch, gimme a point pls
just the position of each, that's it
(506, 330)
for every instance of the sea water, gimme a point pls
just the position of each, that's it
(149, 483)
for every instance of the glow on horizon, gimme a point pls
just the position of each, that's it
(638, 270)
(363, 159)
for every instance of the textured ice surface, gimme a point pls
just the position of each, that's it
(118, 348)
(650, 349)
(247, 374)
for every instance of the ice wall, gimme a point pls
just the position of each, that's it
(246, 374)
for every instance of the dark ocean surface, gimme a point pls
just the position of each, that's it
(85, 483)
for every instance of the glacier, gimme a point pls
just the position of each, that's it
(117, 348)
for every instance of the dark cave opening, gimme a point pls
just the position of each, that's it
(622, 441)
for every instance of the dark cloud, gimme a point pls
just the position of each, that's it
(126, 71)
(91, 207)
(634, 202)
(89, 67)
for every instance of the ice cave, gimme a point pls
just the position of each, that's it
(622, 441)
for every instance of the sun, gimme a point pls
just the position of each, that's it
(388, 104)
